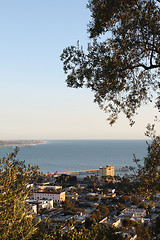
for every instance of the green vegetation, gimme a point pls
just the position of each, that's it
(47, 230)
(69, 207)
(66, 180)
(122, 63)
(142, 232)
(16, 219)
(147, 175)
(98, 214)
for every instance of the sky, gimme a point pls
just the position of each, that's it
(35, 102)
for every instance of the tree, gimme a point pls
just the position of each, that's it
(96, 232)
(142, 232)
(135, 200)
(66, 180)
(122, 70)
(147, 175)
(16, 219)
(124, 199)
(103, 210)
(157, 226)
(47, 230)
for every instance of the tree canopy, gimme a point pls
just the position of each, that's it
(147, 177)
(122, 63)
(16, 219)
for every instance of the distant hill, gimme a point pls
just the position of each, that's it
(19, 143)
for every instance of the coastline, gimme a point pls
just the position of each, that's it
(20, 143)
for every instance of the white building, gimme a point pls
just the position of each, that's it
(48, 204)
(37, 205)
(133, 213)
(57, 197)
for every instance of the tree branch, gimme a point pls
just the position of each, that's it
(152, 66)
(151, 54)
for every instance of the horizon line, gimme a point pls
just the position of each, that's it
(72, 139)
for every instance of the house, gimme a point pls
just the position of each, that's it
(58, 197)
(129, 235)
(116, 222)
(37, 205)
(133, 213)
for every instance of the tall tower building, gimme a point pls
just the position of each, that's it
(106, 171)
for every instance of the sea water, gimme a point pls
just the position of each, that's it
(73, 155)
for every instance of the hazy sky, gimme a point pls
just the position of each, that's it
(35, 102)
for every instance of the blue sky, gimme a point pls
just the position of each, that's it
(35, 102)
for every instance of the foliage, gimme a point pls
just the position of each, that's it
(69, 207)
(66, 180)
(96, 233)
(103, 210)
(94, 217)
(122, 70)
(142, 232)
(92, 181)
(44, 230)
(124, 199)
(157, 226)
(147, 176)
(47, 230)
(16, 219)
(120, 207)
(125, 185)
(135, 200)
(91, 198)
(97, 215)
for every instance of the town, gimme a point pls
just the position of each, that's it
(103, 197)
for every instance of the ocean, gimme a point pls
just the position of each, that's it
(72, 155)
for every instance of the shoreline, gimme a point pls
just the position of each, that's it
(20, 143)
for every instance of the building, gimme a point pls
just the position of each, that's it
(133, 213)
(37, 205)
(58, 197)
(106, 171)
(116, 222)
